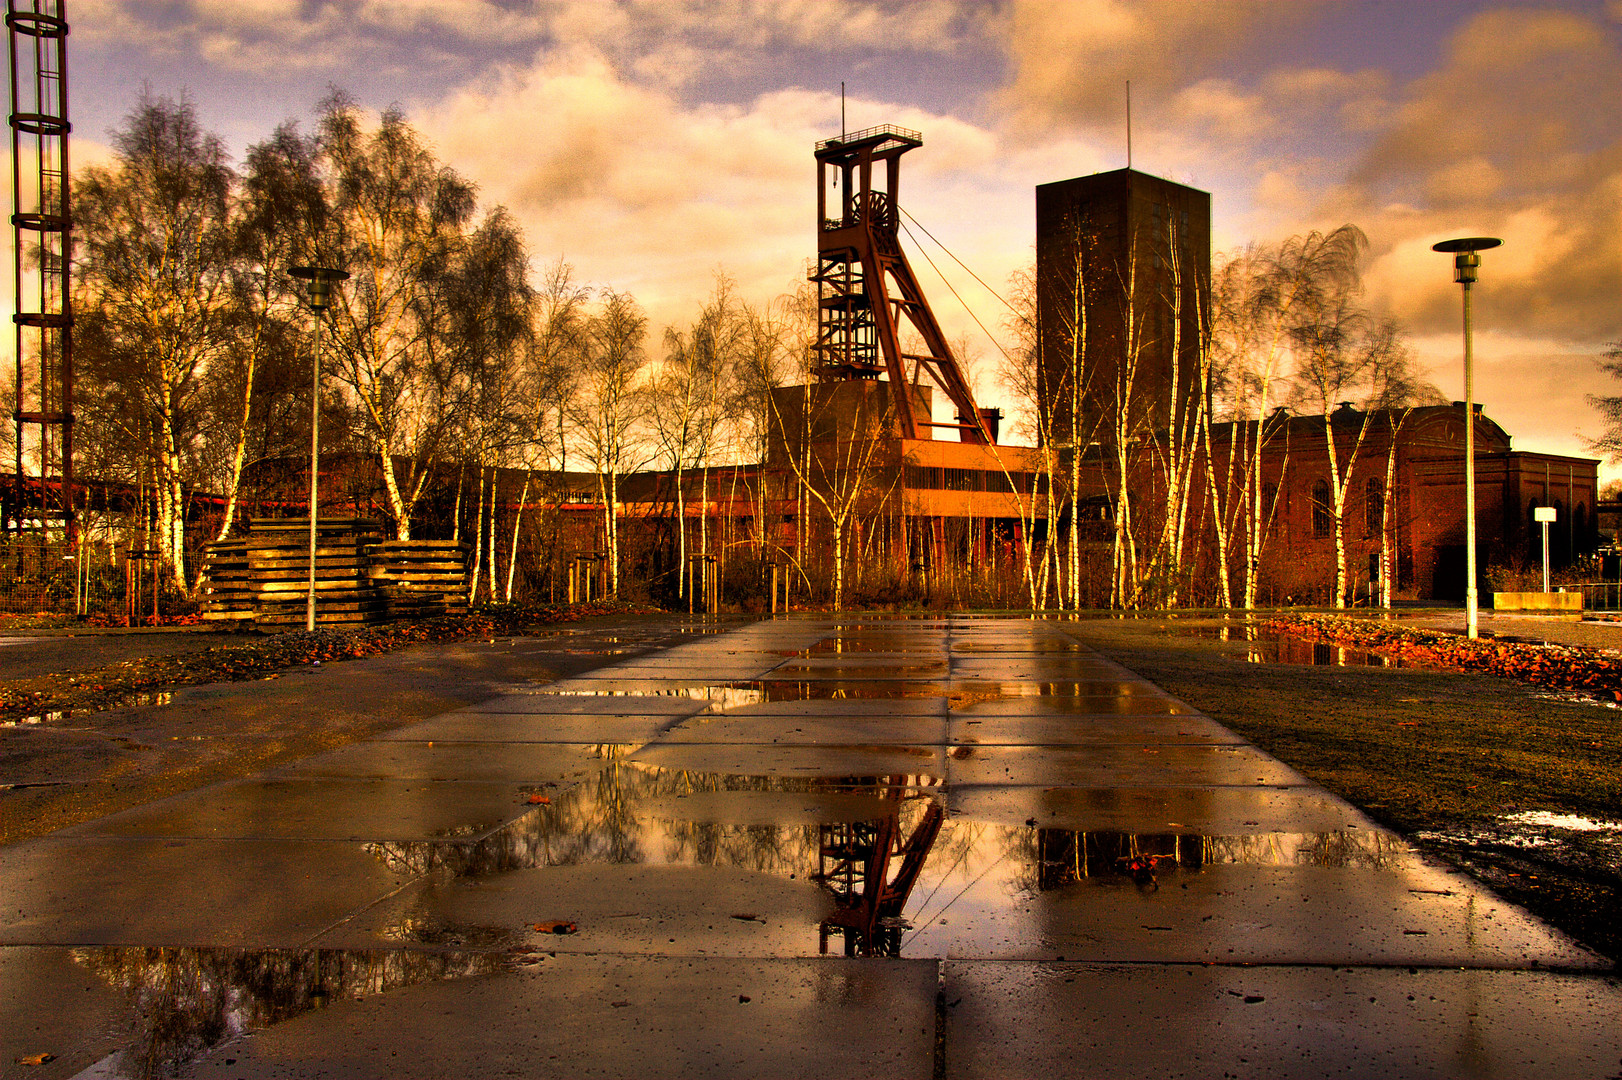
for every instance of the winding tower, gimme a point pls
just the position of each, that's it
(866, 291)
(42, 408)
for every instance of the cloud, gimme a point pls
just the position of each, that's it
(634, 188)
(1535, 388)
(1506, 138)
(1071, 58)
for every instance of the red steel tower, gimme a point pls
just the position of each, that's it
(866, 290)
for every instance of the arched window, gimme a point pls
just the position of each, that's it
(1323, 518)
(1374, 506)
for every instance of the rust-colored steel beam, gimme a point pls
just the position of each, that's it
(866, 290)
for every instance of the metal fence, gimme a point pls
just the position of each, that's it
(1599, 595)
(40, 576)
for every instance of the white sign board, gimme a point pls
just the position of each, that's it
(1543, 513)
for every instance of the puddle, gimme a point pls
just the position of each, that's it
(1264, 646)
(1547, 820)
(1589, 846)
(180, 1003)
(893, 869)
(127, 701)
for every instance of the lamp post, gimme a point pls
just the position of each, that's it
(318, 283)
(1466, 262)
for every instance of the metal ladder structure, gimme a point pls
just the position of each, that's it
(866, 290)
(41, 234)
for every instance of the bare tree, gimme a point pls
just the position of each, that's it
(155, 237)
(555, 347)
(1350, 359)
(1609, 442)
(282, 206)
(687, 397)
(607, 411)
(396, 218)
(1263, 296)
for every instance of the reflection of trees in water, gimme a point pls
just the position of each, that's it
(1053, 858)
(606, 820)
(184, 1001)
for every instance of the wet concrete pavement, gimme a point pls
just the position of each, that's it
(809, 846)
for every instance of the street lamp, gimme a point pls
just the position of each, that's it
(1466, 262)
(318, 281)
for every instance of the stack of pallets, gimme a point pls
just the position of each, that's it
(227, 582)
(420, 579)
(279, 564)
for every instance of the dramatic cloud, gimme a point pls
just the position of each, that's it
(653, 142)
(1523, 143)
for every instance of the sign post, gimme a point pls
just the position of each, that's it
(1543, 515)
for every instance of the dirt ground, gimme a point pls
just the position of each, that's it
(1444, 758)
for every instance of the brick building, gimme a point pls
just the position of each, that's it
(1425, 497)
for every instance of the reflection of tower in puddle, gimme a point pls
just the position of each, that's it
(871, 867)
(1065, 858)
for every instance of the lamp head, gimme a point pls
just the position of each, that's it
(1466, 261)
(319, 281)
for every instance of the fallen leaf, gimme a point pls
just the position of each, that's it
(556, 926)
(37, 1059)
(539, 800)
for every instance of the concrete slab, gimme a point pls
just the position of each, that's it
(530, 763)
(1276, 1023)
(689, 672)
(83, 1023)
(1121, 766)
(1085, 729)
(992, 701)
(619, 909)
(549, 700)
(321, 809)
(1040, 667)
(869, 707)
(842, 670)
(1189, 811)
(537, 727)
(90, 891)
(572, 1016)
(811, 761)
(808, 730)
(1365, 901)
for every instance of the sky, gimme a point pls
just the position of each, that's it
(655, 143)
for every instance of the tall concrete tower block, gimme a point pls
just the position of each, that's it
(1123, 279)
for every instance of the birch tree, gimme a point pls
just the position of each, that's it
(154, 232)
(397, 216)
(607, 411)
(281, 207)
(687, 396)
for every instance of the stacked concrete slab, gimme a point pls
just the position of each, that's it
(360, 578)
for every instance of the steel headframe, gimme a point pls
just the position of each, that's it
(41, 233)
(859, 263)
